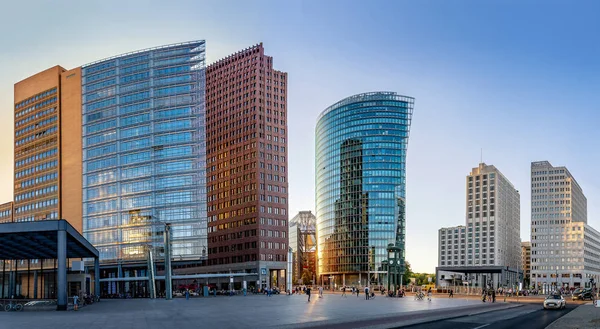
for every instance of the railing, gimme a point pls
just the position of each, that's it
(12, 304)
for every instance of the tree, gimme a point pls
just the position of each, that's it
(408, 273)
(306, 276)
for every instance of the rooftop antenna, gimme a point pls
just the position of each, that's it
(481, 156)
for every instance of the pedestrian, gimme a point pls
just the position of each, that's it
(308, 293)
(366, 293)
(344, 292)
(429, 294)
(187, 294)
(75, 302)
(493, 296)
(483, 297)
(357, 292)
(321, 292)
(451, 294)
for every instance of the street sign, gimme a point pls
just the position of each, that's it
(263, 271)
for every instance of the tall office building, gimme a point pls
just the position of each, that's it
(526, 262)
(303, 242)
(491, 255)
(564, 248)
(144, 157)
(119, 148)
(246, 141)
(47, 176)
(361, 144)
(493, 219)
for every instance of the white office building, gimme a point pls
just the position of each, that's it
(565, 251)
(452, 243)
(493, 219)
(491, 254)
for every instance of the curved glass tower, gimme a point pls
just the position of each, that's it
(144, 152)
(361, 144)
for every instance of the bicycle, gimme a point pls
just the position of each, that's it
(419, 295)
(13, 307)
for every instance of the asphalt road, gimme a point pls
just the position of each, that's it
(529, 316)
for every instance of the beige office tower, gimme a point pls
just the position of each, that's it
(564, 249)
(493, 219)
(47, 168)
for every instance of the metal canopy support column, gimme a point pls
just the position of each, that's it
(35, 284)
(61, 251)
(3, 277)
(168, 280)
(97, 276)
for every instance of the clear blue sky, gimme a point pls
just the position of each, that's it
(520, 79)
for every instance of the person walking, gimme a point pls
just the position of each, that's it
(321, 292)
(75, 302)
(366, 293)
(429, 294)
(451, 294)
(187, 294)
(493, 296)
(344, 292)
(357, 292)
(308, 293)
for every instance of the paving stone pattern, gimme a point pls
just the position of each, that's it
(254, 311)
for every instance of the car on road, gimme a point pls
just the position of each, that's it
(554, 302)
(582, 294)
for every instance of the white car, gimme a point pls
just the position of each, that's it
(554, 301)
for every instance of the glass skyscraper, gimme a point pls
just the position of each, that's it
(144, 152)
(361, 144)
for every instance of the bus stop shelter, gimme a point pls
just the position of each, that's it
(48, 239)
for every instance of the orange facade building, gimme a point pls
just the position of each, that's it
(47, 167)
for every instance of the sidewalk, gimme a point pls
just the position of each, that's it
(499, 298)
(583, 317)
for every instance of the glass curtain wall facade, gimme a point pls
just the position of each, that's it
(361, 145)
(144, 153)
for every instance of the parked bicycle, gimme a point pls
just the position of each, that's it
(13, 307)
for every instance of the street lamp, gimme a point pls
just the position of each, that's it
(395, 267)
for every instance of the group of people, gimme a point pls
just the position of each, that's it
(394, 293)
(306, 290)
(489, 294)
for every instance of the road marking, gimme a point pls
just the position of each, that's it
(485, 325)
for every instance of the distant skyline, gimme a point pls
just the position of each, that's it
(519, 79)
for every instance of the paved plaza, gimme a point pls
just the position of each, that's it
(253, 311)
